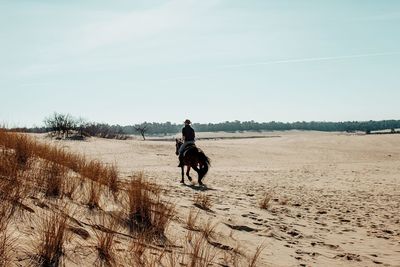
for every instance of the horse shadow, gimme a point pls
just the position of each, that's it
(201, 188)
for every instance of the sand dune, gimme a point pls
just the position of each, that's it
(334, 197)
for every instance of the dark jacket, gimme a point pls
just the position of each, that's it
(188, 133)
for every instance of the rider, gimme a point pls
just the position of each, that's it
(188, 137)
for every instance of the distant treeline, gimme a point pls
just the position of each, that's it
(155, 128)
(238, 126)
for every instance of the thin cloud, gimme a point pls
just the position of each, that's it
(300, 60)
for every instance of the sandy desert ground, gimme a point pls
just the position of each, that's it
(335, 198)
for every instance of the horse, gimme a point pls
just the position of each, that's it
(193, 158)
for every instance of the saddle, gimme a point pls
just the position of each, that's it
(187, 148)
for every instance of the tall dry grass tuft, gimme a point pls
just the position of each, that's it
(144, 210)
(53, 179)
(139, 203)
(208, 229)
(21, 145)
(6, 248)
(23, 148)
(12, 187)
(112, 179)
(94, 193)
(138, 249)
(200, 253)
(6, 243)
(202, 201)
(192, 219)
(162, 214)
(8, 165)
(265, 201)
(52, 236)
(71, 186)
(254, 259)
(105, 245)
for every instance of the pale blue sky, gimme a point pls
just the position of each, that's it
(132, 61)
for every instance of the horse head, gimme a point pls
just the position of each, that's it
(178, 145)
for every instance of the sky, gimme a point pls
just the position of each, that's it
(125, 62)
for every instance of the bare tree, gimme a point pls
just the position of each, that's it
(60, 123)
(142, 129)
(81, 125)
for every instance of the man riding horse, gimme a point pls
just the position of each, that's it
(188, 137)
(190, 155)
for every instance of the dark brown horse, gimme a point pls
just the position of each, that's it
(193, 158)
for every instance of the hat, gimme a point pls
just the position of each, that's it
(188, 122)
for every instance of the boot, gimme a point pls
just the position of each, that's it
(180, 161)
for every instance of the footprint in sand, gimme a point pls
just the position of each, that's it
(349, 256)
(241, 228)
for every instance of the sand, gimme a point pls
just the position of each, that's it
(335, 198)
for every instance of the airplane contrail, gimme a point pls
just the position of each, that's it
(282, 61)
(299, 60)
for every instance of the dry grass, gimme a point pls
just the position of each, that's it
(144, 210)
(162, 214)
(6, 248)
(202, 201)
(208, 229)
(264, 203)
(94, 193)
(30, 168)
(21, 146)
(53, 177)
(105, 245)
(200, 253)
(138, 203)
(112, 180)
(192, 219)
(25, 148)
(254, 259)
(8, 165)
(71, 186)
(50, 248)
(13, 187)
(6, 244)
(137, 250)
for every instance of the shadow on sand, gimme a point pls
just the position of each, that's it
(201, 188)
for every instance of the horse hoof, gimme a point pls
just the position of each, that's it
(190, 178)
(182, 182)
(200, 183)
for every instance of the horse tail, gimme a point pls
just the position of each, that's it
(205, 161)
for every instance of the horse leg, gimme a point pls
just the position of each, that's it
(199, 174)
(187, 173)
(183, 175)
